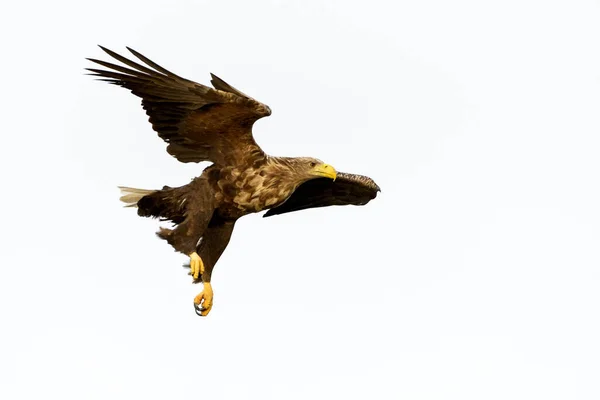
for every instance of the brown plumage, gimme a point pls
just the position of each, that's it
(200, 123)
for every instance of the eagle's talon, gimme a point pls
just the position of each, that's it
(203, 302)
(196, 265)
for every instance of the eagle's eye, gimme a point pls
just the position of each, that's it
(313, 164)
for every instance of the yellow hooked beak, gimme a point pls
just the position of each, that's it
(325, 170)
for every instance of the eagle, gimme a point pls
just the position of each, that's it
(214, 124)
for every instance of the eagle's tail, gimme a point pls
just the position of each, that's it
(131, 196)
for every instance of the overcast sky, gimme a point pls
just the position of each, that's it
(474, 274)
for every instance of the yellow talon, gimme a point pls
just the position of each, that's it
(204, 301)
(196, 265)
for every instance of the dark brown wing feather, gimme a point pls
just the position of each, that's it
(199, 123)
(322, 192)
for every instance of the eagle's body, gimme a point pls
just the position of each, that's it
(245, 190)
(205, 124)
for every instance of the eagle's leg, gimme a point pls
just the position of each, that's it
(215, 240)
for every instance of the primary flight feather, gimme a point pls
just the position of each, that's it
(201, 123)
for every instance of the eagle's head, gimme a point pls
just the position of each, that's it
(289, 172)
(310, 168)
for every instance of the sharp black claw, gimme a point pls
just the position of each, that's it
(198, 310)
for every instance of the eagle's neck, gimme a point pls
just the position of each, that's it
(281, 178)
(283, 171)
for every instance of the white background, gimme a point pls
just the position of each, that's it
(474, 275)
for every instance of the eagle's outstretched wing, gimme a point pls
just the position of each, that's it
(322, 192)
(199, 123)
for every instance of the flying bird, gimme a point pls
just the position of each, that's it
(201, 123)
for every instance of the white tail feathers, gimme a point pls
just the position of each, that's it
(130, 196)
